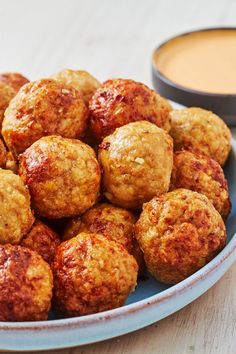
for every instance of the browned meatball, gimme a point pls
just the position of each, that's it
(81, 80)
(201, 174)
(138, 255)
(15, 80)
(7, 159)
(92, 274)
(179, 232)
(110, 221)
(40, 108)
(201, 131)
(3, 155)
(42, 240)
(11, 162)
(119, 101)
(16, 216)
(6, 94)
(25, 285)
(137, 162)
(63, 176)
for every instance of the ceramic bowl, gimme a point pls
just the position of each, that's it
(222, 104)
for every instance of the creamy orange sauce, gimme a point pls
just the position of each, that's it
(204, 61)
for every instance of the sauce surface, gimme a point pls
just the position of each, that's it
(204, 61)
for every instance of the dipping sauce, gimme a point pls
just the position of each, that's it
(203, 61)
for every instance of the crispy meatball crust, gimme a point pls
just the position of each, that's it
(15, 80)
(204, 175)
(11, 162)
(63, 176)
(120, 101)
(179, 232)
(6, 94)
(201, 131)
(42, 240)
(16, 216)
(110, 221)
(92, 274)
(3, 155)
(137, 162)
(41, 108)
(25, 285)
(80, 80)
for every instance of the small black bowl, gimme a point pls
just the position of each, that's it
(222, 104)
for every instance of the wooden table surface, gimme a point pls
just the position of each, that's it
(115, 39)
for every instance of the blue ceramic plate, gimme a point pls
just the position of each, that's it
(150, 302)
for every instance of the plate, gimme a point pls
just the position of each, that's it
(150, 302)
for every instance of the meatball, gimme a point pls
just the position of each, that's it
(16, 216)
(201, 131)
(110, 221)
(92, 274)
(118, 102)
(15, 80)
(63, 176)
(42, 240)
(3, 155)
(201, 174)
(6, 94)
(137, 162)
(40, 108)
(179, 232)
(11, 162)
(80, 80)
(25, 285)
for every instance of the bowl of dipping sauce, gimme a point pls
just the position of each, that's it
(198, 69)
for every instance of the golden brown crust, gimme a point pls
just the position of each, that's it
(80, 80)
(179, 232)
(6, 94)
(201, 131)
(108, 220)
(63, 176)
(120, 101)
(41, 108)
(15, 80)
(25, 285)
(92, 274)
(204, 175)
(42, 240)
(3, 155)
(138, 255)
(137, 162)
(11, 162)
(16, 216)
(112, 222)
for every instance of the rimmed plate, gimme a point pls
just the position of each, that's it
(150, 302)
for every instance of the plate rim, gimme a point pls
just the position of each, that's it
(158, 298)
(130, 308)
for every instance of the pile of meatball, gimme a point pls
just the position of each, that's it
(100, 183)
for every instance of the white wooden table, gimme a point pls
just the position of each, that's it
(115, 39)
